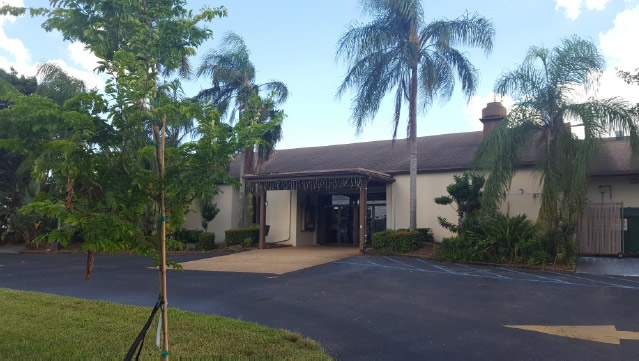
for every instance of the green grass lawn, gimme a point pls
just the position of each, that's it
(41, 326)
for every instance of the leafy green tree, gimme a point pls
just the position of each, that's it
(398, 51)
(466, 194)
(631, 78)
(116, 182)
(233, 83)
(545, 88)
(24, 85)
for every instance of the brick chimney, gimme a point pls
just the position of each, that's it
(492, 115)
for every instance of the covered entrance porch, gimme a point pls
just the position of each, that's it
(333, 207)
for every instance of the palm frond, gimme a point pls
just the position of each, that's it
(499, 155)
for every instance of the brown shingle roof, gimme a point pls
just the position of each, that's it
(436, 153)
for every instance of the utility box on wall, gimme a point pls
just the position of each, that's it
(631, 230)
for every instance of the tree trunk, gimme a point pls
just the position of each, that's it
(412, 141)
(242, 222)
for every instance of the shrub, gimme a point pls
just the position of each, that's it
(425, 234)
(463, 249)
(247, 243)
(399, 241)
(498, 236)
(207, 240)
(173, 245)
(187, 235)
(238, 235)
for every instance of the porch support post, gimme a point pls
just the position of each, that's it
(363, 229)
(262, 202)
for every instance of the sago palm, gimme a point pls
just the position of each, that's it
(398, 52)
(546, 88)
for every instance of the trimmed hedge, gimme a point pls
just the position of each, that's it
(397, 241)
(237, 236)
(187, 235)
(207, 240)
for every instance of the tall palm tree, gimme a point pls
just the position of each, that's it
(56, 84)
(233, 82)
(397, 51)
(546, 88)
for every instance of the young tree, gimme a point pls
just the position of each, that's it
(398, 51)
(110, 171)
(545, 87)
(466, 194)
(233, 83)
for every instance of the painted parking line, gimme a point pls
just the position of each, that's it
(485, 274)
(620, 278)
(438, 267)
(373, 264)
(535, 275)
(591, 280)
(405, 264)
(479, 270)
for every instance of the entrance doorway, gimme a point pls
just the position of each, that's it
(338, 222)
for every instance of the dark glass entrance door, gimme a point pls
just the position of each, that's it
(339, 217)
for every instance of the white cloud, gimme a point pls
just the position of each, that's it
(19, 56)
(82, 56)
(596, 4)
(472, 111)
(16, 49)
(572, 8)
(619, 54)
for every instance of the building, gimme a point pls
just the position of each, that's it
(313, 194)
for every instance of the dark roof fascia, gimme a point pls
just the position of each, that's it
(452, 169)
(612, 174)
(329, 173)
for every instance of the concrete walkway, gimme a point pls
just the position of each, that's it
(273, 261)
(608, 266)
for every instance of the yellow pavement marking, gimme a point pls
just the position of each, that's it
(604, 334)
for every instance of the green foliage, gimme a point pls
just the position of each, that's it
(208, 209)
(237, 236)
(23, 85)
(398, 52)
(397, 241)
(248, 243)
(173, 245)
(425, 235)
(57, 85)
(99, 155)
(466, 194)
(545, 87)
(506, 239)
(500, 234)
(187, 235)
(462, 249)
(207, 240)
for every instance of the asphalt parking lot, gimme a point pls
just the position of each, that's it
(373, 308)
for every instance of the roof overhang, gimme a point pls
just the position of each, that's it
(315, 180)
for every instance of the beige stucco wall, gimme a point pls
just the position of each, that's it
(227, 201)
(432, 185)
(616, 189)
(278, 216)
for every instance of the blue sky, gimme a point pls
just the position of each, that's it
(294, 41)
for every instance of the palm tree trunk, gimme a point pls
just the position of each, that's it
(412, 141)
